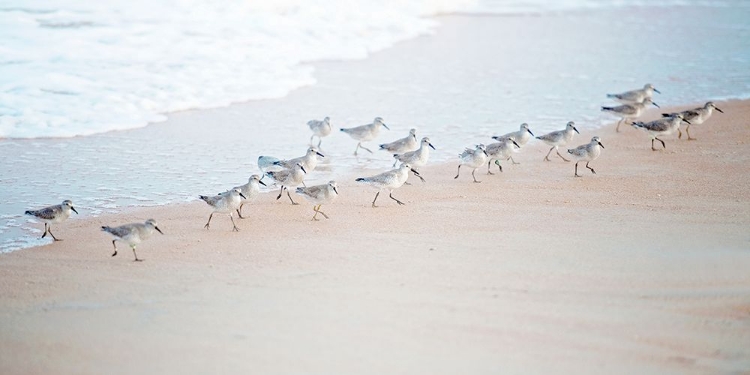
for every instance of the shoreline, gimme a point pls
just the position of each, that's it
(639, 268)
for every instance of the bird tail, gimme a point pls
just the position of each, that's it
(607, 108)
(106, 228)
(570, 151)
(204, 198)
(361, 179)
(29, 213)
(539, 137)
(344, 130)
(382, 147)
(611, 95)
(299, 190)
(637, 124)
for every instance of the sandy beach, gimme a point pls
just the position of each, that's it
(641, 268)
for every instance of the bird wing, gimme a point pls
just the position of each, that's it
(47, 213)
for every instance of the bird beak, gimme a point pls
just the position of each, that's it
(386, 126)
(514, 142)
(532, 134)
(433, 147)
(303, 169)
(262, 183)
(655, 105)
(158, 230)
(718, 109)
(243, 196)
(686, 121)
(335, 190)
(74, 210)
(600, 144)
(657, 91)
(414, 171)
(319, 154)
(485, 153)
(574, 128)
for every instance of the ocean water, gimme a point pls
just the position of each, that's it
(71, 72)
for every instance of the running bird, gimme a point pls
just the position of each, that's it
(558, 138)
(309, 160)
(473, 159)
(132, 234)
(500, 151)
(588, 152)
(389, 181)
(416, 158)
(53, 215)
(320, 128)
(364, 133)
(224, 203)
(522, 137)
(661, 127)
(629, 111)
(319, 194)
(406, 144)
(250, 191)
(288, 178)
(696, 116)
(635, 96)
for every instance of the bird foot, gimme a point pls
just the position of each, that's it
(692, 139)
(235, 229)
(206, 226)
(477, 182)
(138, 260)
(490, 173)
(115, 253)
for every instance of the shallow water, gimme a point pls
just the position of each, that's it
(478, 76)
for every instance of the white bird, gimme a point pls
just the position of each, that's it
(389, 181)
(364, 133)
(473, 159)
(132, 234)
(53, 215)
(418, 157)
(309, 160)
(406, 144)
(559, 138)
(224, 203)
(635, 96)
(250, 190)
(588, 152)
(319, 194)
(522, 137)
(500, 151)
(320, 128)
(661, 127)
(696, 116)
(288, 178)
(629, 111)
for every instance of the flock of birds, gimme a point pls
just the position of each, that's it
(411, 153)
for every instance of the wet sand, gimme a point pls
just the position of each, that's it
(641, 268)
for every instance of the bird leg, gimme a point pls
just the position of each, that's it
(687, 130)
(397, 201)
(489, 163)
(209, 221)
(239, 211)
(376, 198)
(318, 211)
(45, 230)
(652, 145)
(592, 169)
(513, 161)
(474, 177)
(576, 170)
(500, 167)
(617, 129)
(320, 140)
(546, 158)
(115, 246)
(315, 208)
(136, 255)
(458, 171)
(679, 133)
(50, 233)
(558, 154)
(290, 198)
(234, 227)
(420, 177)
(311, 139)
(365, 148)
(662, 143)
(280, 192)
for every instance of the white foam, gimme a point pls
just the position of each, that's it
(72, 68)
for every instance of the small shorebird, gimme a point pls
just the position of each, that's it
(635, 96)
(288, 178)
(53, 215)
(418, 157)
(522, 136)
(588, 152)
(319, 194)
(558, 138)
(309, 160)
(473, 159)
(695, 116)
(500, 151)
(406, 144)
(389, 181)
(629, 111)
(132, 234)
(250, 191)
(320, 128)
(224, 203)
(660, 127)
(364, 133)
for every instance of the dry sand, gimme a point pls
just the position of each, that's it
(641, 268)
